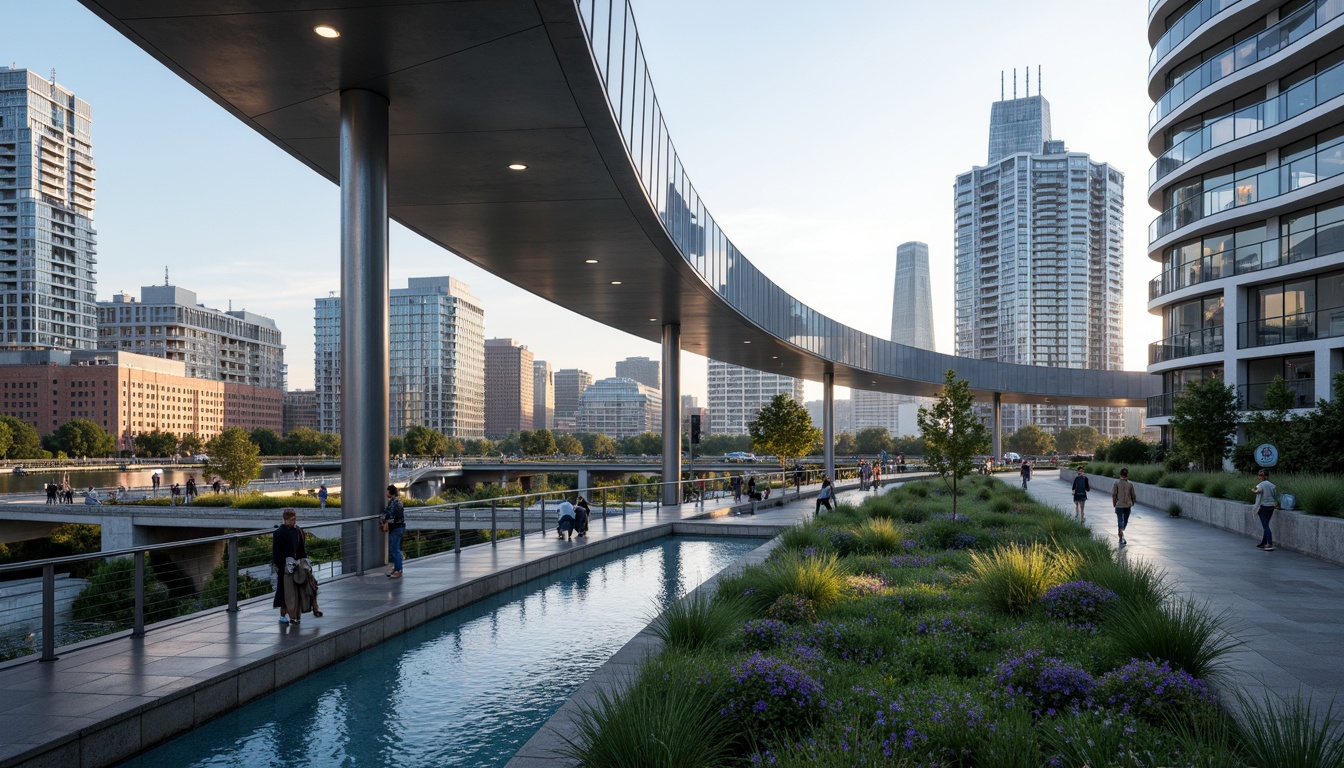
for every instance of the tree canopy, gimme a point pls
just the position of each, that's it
(156, 443)
(81, 437)
(1071, 440)
(873, 440)
(569, 445)
(24, 441)
(190, 444)
(267, 441)
(1204, 421)
(783, 427)
(1031, 440)
(952, 433)
(539, 442)
(420, 440)
(234, 458)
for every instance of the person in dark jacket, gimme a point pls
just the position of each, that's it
(395, 517)
(1080, 488)
(287, 547)
(582, 513)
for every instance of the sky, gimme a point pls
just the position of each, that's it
(818, 141)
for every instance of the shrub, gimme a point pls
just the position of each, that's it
(910, 513)
(1099, 738)
(864, 585)
(768, 697)
(1195, 482)
(792, 609)
(1128, 450)
(1172, 480)
(763, 634)
(1046, 685)
(818, 578)
(942, 532)
(1077, 602)
(1213, 487)
(1292, 732)
(1174, 509)
(843, 541)
(802, 537)
(696, 622)
(1151, 691)
(1014, 577)
(669, 709)
(1178, 631)
(110, 595)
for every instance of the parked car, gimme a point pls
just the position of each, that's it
(201, 457)
(740, 457)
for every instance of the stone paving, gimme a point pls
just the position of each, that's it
(1287, 608)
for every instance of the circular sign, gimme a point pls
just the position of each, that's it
(1266, 455)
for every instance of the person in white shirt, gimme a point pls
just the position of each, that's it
(1266, 499)
(565, 520)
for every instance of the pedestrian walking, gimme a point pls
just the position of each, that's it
(824, 496)
(217, 485)
(322, 496)
(736, 483)
(1081, 486)
(155, 479)
(1266, 499)
(287, 548)
(176, 493)
(393, 521)
(564, 520)
(582, 514)
(1123, 499)
(1026, 473)
(191, 488)
(51, 493)
(877, 475)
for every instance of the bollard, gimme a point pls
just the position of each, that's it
(233, 575)
(604, 505)
(49, 613)
(457, 531)
(543, 517)
(494, 527)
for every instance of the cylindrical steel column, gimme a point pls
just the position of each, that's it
(828, 422)
(996, 428)
(364, 315)
(671, 413)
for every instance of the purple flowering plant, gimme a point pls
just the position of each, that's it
(769, 696)
(1046, 685)
(1149, 690)
(1077, 602)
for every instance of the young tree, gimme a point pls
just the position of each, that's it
(1204, 419)
(540, 442)
(395, 446)
(234, 458)
(1317, 439)
(782, 427)
(452, 446)
(1031, 440)
(156, 443)
(845, 444)
(952, 433)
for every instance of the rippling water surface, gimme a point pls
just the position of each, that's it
(467, 689)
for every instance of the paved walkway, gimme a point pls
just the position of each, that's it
(98, 703)
(1286, 607)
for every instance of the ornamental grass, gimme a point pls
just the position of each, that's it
(1013, 578)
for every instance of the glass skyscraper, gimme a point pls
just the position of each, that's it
(48, 284)
(1040, 260)
(436, 365)
(912, 300)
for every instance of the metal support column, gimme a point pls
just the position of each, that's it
(364, 316)
(996, 428)
(671, 413)
(828, 422)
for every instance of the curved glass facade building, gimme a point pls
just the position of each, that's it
(1248, 131)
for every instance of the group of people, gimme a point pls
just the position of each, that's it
(870, 475)
(735, 482)
(60, 493)
(573, 518)
(1123, 499)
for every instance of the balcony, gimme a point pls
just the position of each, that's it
(1185, 26)
(1162, 405)
(1286, 329)
(1253, 395)
(1201, 342)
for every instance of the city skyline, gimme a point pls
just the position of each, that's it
(263, 232)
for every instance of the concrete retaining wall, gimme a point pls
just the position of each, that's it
(21, 602)
(1314, 535)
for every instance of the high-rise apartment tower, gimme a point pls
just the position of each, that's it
(48, 283)
(508, 387)
(737, 393)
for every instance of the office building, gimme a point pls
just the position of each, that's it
(737, 393)
(1248, 132)
(569, 385)
(911, 298)
(128, 394)
(436, 359)
(508, 387)
(843, 410)
(641, 369)
(619, 407)
(543, 395)
(48, 246)
(167, 321)
(1039, 261)
(300, 410)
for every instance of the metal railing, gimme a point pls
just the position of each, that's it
(1286, 329)
(1253, 395)
(1198, 342)
(106, 594)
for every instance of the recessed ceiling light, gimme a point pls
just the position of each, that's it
(590, 261)
(774, 357)
(653, 319)
(746, 342)
(517, 167)
(615, 282)
(327, 31)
